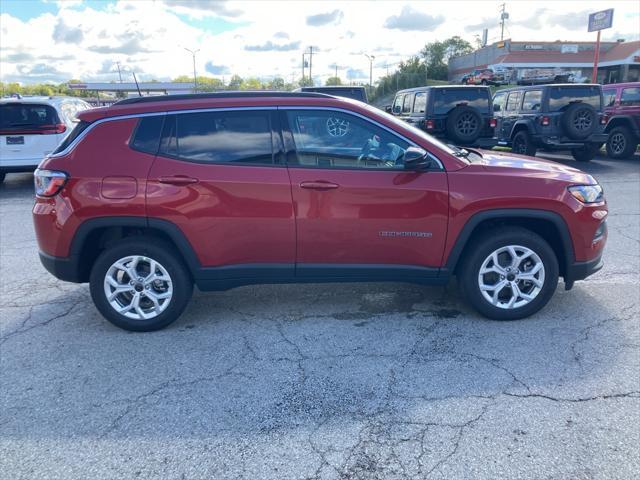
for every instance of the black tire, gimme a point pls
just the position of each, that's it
(522, 144)
(483, 82)
(586, 153)
(464, 125)
(579, 121)
(489, 242)
(621, 143)
(158, 251)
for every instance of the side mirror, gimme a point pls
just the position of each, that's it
(496, 108)
(387, 108)
(396, 110)
(416, 158)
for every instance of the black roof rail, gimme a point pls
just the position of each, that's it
(226, 94)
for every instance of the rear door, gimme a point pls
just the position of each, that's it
(217, 177)
(28, 132)
(511, 113)
(357, 209)
(418, 109)
(630, 104)
(499, 104)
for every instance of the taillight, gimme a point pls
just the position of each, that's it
(52, 129)
(493, 122)
(545, 121)
(428, 124)
(48, 183)
(604, 119)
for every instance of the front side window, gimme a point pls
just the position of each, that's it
(532, 100)
(630, 97)
(219, 137)
(332, 139)
(397, 104)
(513, 101)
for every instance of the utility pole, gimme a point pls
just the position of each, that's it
(371, 59)
(503, 16)
(195, 81)
(119, 73)
(311, 64)
(336, 75)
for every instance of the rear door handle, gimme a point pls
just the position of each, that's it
(178, 180)
(319, 185)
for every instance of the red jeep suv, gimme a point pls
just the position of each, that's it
(151, 195)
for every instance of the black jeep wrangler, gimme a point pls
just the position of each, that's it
(461, 115)
(551, 117)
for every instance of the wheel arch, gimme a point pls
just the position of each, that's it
(94, 235)
(619, 121)
(549, 225)
(519, 126)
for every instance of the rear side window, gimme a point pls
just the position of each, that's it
(630, 97)
(80, 127)
(146, 137)
(219, 137)
(532, 100)
(609, 97)
(446, 99)
(514, 101)
(420, 103)
(26, 115)
(561, 97)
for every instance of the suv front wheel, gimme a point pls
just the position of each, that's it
(510, 274)
(139, 285)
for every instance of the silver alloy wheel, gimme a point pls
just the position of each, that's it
(138, 287)
(511, 277)
(337, 127)
(618, 143)
(582, 120)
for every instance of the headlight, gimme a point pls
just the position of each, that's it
(587, 193)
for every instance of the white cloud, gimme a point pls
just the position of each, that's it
(249, 39)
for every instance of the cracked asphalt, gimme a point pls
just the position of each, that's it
(356, 381)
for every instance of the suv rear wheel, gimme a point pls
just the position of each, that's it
(510, 274)
(621, 143)
(139, 285)
(586, 153)
(522, 144)
(464, 124)
(579, 120)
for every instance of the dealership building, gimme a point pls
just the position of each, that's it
(619, 61)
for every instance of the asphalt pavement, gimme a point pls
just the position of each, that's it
(351, 381)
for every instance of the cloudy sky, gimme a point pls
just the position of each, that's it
(53, 41)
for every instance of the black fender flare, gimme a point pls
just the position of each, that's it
(171, 230)
(506, 214)
(516, 126)
(621, 120)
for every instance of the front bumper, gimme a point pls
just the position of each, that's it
(581, 270)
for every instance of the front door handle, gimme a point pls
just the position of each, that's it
(319, 185)
(178, 180)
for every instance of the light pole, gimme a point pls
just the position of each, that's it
(371, 59)
(195, 81)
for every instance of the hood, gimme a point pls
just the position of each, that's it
(509, 163)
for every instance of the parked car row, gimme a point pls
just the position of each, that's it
(580, 118)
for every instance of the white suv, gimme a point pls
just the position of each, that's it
(32, 127)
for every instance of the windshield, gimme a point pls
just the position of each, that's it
(561, 97)
(414, 130)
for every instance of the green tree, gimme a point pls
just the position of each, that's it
(333, 81)
(437, 55)
(235, 82)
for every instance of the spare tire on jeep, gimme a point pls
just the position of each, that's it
(464, 124)
(579, 121)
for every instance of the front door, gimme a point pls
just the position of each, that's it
(358, 212)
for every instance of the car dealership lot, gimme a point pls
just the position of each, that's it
(323, 381)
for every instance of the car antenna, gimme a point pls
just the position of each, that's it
(136, 80)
